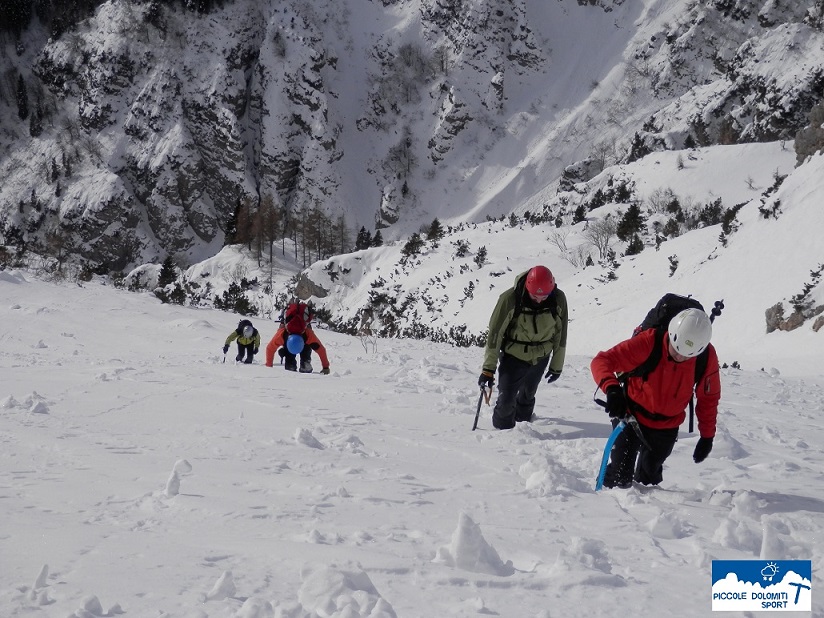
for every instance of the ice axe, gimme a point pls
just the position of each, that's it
(484, 395)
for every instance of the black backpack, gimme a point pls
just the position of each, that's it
(659, 318)
(241, 325)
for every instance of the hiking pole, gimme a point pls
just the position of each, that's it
(484, 395)
(716, 311)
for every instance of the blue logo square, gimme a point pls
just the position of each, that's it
(762, 585)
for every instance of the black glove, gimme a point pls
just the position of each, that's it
(255, 351)
(702, 449)
(325, 371)
(487, 378)
(226, 348)
(552, 375)
(616, 402)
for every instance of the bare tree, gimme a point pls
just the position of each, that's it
(579, 257)
(367, 328)
(270, 226)
(659, 199)
(600, 233)
(244, 223)
(343, 235)
(604, 153)
(400, 159)
(257, 231)
(57, 245)
(559, 239)
(238, 273)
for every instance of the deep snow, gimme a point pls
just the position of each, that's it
(141, 474)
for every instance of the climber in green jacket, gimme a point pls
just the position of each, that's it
(527, 333)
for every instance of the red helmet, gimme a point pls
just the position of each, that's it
(539, 281)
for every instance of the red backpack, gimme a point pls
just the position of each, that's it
(297, 317)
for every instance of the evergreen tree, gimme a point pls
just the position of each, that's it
(712, 213)
(15, 15)
(168, 273)
(67, 166)
(377, 239)
(22, 98)
(413, 246)
(480, 257)
(671, 229)
(635, 246)
(154, 14)
(810, 139)
(638, 149)
(36, 121)
(436, 231)
(599, 198)
(235, 300)
(178, 295)
(630, 224)
(363, 240)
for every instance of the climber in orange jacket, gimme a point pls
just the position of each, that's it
(296, 337)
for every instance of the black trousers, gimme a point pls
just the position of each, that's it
(630, 459)
(517, 384)
(247, 350)
(291, 360)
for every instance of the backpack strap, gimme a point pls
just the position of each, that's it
(551, 307)
(648, 366)
(519, 304)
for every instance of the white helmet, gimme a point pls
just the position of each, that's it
(248, 331)
(690, 332)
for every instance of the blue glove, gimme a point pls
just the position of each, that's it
(552, 375)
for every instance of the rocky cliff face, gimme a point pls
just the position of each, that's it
(155, 123)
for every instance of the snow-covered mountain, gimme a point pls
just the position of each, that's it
(149, 125)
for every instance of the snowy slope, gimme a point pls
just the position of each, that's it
(141, 475)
